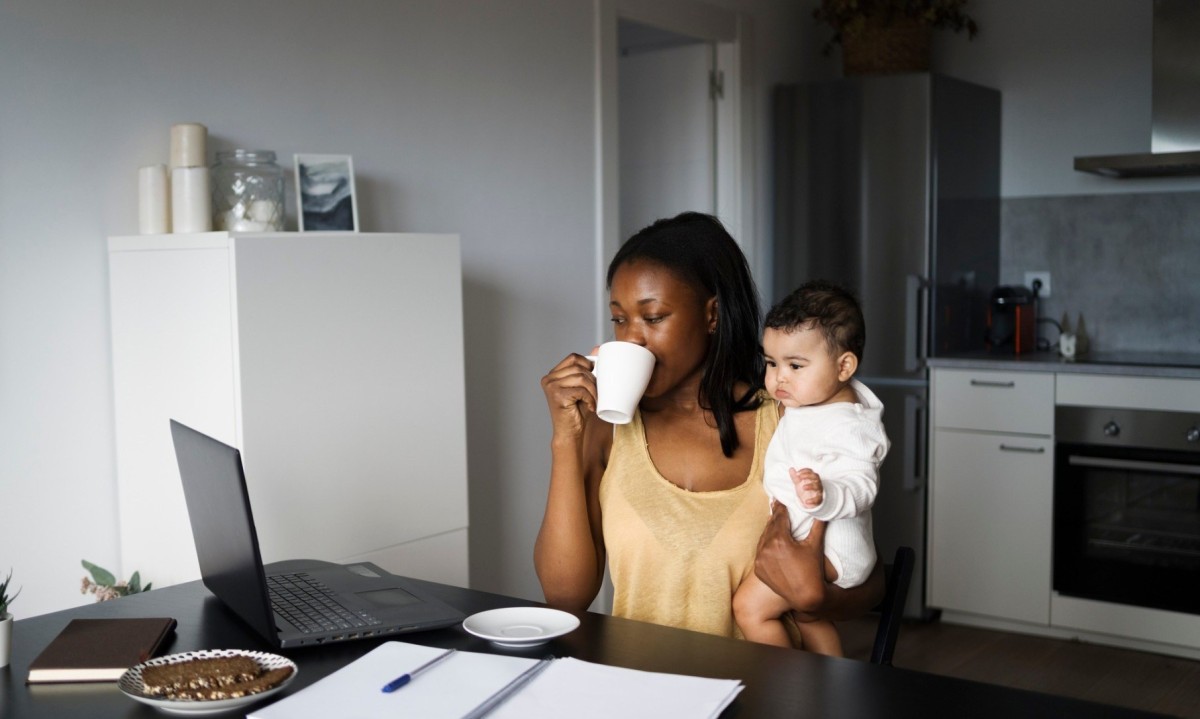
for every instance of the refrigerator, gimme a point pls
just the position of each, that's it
(889, 185)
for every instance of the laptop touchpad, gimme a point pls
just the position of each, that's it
(385, 598)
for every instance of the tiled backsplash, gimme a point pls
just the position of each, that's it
(1130, 264)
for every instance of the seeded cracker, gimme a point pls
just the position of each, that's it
(195, 674)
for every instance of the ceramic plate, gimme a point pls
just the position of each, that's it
(131, 682)
(520, 626)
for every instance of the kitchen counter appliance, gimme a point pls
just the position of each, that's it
(1012, 320)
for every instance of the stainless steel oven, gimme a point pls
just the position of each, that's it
(1127, 507)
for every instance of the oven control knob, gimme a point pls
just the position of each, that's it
(1193, 434)
(1112, 429)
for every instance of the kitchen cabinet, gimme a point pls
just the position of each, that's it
(991, 493)
(333, 361)
(991, 541)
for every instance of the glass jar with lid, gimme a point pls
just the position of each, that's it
(247, 192)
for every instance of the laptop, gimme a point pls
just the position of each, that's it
(295, 602)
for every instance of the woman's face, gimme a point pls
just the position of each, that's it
(652, 307)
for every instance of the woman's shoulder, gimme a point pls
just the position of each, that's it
(769, 414)
(767, 403)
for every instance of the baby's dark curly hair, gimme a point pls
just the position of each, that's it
(828, 307)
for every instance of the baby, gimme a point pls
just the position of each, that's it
(823, 460)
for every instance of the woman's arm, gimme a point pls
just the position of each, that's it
(569, 552)
(795, 570)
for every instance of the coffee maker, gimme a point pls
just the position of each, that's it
(1012, 320)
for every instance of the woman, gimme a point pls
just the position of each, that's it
(674, 501)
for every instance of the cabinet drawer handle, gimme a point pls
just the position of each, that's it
(992, 383)
(1030, 450)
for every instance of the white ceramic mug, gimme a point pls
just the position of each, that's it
(622, 372)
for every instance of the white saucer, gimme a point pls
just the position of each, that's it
(520, 626)
(131, 682)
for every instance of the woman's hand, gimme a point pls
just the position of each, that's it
(795, 570)
(570, 387)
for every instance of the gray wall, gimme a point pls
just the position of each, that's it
(466, 116)
(1075, 79)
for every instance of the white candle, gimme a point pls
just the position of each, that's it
(188, 141)
(154, 209)
(191, 208)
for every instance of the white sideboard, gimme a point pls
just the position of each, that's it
(333, 361)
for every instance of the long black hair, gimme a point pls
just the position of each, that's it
(698, 249)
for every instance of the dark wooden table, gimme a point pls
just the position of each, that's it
(779, 682)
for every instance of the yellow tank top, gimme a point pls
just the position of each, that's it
(676, 556)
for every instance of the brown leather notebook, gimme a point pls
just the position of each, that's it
(98, 650)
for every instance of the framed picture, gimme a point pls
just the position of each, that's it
(325, 193)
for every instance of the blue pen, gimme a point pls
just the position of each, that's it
(403, 679)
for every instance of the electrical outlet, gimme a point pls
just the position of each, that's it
(1044, 277)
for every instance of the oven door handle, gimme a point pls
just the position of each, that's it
(1133, 464)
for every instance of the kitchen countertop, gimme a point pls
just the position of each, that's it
(1132, 364)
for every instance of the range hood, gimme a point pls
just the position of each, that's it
(1175, 137)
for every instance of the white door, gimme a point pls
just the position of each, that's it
(667, 125)
(665, 142)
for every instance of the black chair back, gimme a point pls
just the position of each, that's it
(891, 610)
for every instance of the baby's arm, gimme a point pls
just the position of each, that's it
(850, 485)
(841, 496)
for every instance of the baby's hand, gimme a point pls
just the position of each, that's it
(808, 487)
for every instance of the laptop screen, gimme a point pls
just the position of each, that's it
(214, 487)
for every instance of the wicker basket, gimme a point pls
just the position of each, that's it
(887, 45)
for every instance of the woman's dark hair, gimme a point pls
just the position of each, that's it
(698, 250)
(830, 308)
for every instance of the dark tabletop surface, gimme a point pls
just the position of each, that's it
(779, 682)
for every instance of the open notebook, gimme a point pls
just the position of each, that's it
(453, 688)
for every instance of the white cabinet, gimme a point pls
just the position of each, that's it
(991, 493)
(334, 361)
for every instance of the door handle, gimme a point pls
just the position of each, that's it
(914, 444)
(916, 322)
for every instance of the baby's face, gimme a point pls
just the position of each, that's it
(801, 371)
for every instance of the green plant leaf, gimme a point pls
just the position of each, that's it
(100, 575)
(5, 599)
(135, 583)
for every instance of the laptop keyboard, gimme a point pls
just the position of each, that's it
(312, 606)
